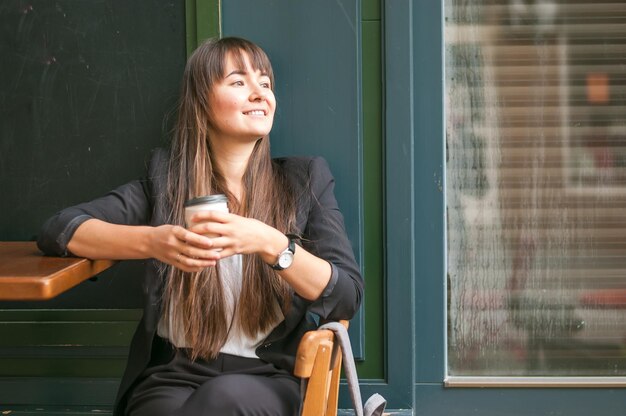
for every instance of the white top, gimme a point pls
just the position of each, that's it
(238, 343)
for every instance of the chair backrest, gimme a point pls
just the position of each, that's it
(314, 364)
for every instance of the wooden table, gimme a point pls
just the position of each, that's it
(26, 274)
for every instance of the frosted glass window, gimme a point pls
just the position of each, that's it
(536, 187)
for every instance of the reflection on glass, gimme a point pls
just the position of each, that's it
(536, 187)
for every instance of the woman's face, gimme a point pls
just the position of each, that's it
(242, 103)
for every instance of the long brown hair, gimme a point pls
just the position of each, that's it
(196, 300)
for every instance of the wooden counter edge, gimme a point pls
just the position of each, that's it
(33, 288)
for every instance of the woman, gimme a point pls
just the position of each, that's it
(222, 318)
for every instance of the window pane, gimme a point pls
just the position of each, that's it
(536, 187)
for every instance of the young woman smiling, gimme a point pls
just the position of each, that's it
(223, 316)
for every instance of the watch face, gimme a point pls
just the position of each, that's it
(285, 260)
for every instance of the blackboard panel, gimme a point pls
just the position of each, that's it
(84, 86)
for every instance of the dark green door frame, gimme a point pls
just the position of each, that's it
(399, 210)
(202, 21)
(416, 284)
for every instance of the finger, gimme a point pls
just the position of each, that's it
(209, 228)
(211, 216)
(227, 253)
(222, 242)
(179, 232)
(195, 239)
(190, 264)
(195, 253)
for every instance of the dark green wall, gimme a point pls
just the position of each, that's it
(314, 49)
(328, 61)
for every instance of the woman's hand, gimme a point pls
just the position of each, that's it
(174, 245)
(308, 275)
(234, 234)
(181, 248)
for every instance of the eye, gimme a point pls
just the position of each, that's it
(238, 83)
(264, 81)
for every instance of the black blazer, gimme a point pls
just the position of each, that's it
(318, 220)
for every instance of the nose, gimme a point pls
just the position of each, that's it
(257, 96)
(258, 93)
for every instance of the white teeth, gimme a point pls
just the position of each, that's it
(256, 113)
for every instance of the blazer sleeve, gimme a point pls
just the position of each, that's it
(130, 204)
(326, 237)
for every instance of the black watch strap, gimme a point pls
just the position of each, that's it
(285, 257)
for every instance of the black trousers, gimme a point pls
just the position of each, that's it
(227, 386)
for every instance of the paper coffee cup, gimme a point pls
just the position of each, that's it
(217, 202)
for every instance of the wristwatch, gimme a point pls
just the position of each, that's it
(285, 258)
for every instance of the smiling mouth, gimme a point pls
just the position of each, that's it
(255, 113)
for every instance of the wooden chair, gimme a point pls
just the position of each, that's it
(313, 363)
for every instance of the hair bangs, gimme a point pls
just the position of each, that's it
(254, 56)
